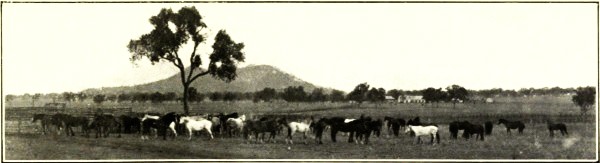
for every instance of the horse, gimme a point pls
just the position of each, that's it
(147, 126)
(424, 130)
(394, 125)
(488, 127)
(193, 124)
(216, 124)
(235, 125)
(358, 126)
(474, 129)
(224, 119)
(372, 125)
(318, 128)
(168, 120)
(293, 127)
(512, 125)
(455, 126)
(104, 123)
(264, 125)
(131, 124)
(68, 122)
(558, 126)
(45, 121)
(417, 122)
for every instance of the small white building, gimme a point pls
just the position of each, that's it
(489, 100)
(411, 99)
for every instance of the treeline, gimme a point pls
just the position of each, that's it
(362, 92)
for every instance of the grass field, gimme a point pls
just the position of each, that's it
(534, 143)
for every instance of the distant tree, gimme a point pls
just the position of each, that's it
(336, 95)
(99, 98)
(34, 98)
(231, 96)
(111, 97)
(157, 97)
(294, 94)
(163, 44)
(68, 96)
(359, 94)
(9, 97)
(123, 97)
(376, 95)
(585, 98)
(394, 93)
(457, 93)
(170, 96)
(267, 94)
(140, 97)
(216, 96)
(82, 96)
(317, 95)
(432, 95)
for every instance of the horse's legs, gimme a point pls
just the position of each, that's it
(210, 133)
(333, 133)
(551, 133)
(351, 137)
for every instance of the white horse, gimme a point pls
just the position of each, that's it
(294, 127)
(236, 124)
(191, 124)
(423, 131)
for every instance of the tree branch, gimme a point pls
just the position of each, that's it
(190, 80)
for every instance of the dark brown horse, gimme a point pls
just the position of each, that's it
(394, 125)
(105, 124)
(45, 121)
(512, 125)
(557, 126)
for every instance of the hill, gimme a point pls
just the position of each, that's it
(251, 78)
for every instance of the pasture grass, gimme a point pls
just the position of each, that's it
(534, 143)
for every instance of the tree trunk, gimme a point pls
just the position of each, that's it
(186, 108)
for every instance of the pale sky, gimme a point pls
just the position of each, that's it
(70, 47)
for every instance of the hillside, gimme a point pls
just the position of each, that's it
(251, 78)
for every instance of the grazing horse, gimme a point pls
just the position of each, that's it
(194, 124)
(235, 125)
(147, 126)
(558, 126)
(474, 129)
(372, 125)
(394, 125)
(293, 127)
(358, 126)
(131, 124)
(68, 122)
(424, 130)
(45, 121)
(104, 123)
(455, 126)
(216, 124)
(488, 127)
(262, 126)
(512, 125)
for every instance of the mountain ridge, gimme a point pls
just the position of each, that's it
(249, 79)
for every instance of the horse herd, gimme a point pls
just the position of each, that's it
(235, 125)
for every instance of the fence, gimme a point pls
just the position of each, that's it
(19, 119)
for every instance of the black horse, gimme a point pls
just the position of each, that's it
(471, 129)
(488, 127)
(148, 126)
(512, 125)
(67, 122)
(558, 126)
(455, 126)
(372, 126)
(165, 123)
(105, 124)
(394, 124)
(262, 126)
(131, 124)
(224, 118)
(319, 127)
(359, 126)
(45, 121)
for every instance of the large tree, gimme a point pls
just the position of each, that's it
(163, 44)
(585, 98)
(359, 94)
(457, 93)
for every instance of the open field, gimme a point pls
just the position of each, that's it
(533, 144)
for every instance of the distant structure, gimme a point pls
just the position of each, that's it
(411, 99)
(390, 99)
(56, 105)
(489, 100)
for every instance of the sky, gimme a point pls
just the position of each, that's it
(71, 47)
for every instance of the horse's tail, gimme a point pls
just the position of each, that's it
(289, 130)
(481, 133)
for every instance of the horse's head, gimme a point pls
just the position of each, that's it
(500, 121)
(408, 129)
(243, 117)
(37, 116)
